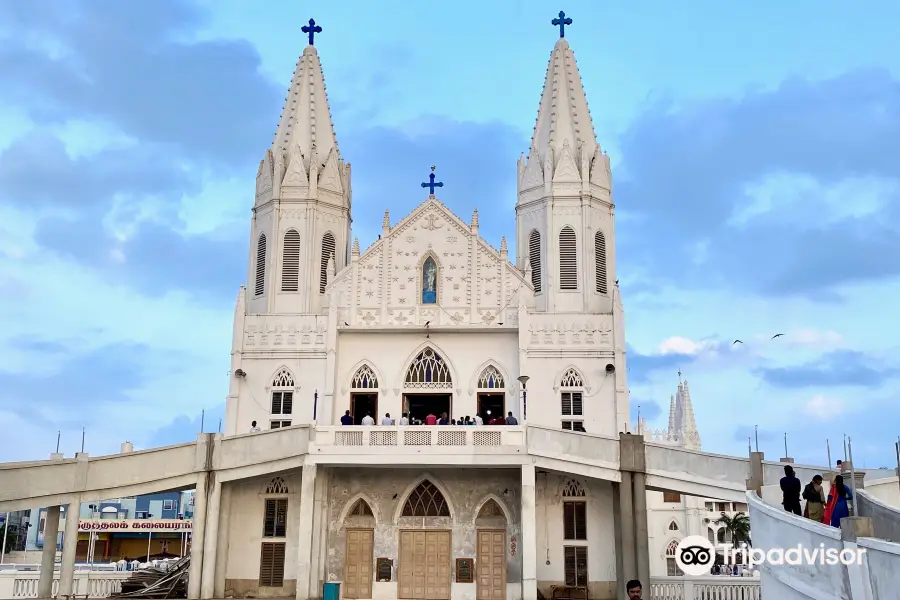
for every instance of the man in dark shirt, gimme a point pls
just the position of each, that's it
(790, 491)
(347, 419)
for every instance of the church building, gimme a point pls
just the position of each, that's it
(430, 319)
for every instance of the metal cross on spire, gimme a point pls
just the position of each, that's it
(562, 21)
(312, 29)
(432, 183)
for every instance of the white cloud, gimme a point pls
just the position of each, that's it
(814, 337)
(682, 345)
(823, 408)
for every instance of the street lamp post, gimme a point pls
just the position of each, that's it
(523, 379)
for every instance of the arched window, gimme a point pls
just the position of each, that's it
(282, 399)
(327, 253)
(277, 486)
(534, 257)
(672, 548)
(364, 379)
(572, 400)
(672, 568)
(568, 259)
(290, 266)
(426, 501)
(574, 511)
(428, 370)
(490, 509)
(571, 378)
(360, 508)
(429, 281)
(600, 261)
(260, 287)
(491, 379)
(673, 526)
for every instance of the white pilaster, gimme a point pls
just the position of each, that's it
(70, 543)
(529, 534)
(198, 528)
(305, 537)
(48, 556)
(222, 540)
(210, 539)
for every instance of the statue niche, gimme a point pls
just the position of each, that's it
(429, 281)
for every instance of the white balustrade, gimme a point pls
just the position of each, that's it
(19, 584)
(375, 436)
(704, 588)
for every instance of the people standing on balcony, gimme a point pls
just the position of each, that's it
(254, 428)
(839, 498)
(790, 491)
(444, 419)
(404, 420)
(478, 420)
(368, 420)
(814, 495)
(511, 420)
(347, 419)
(387, 420)
(430, 419)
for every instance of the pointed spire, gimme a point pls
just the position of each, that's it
(330, 270)
(689, 424)
(475, 219)
(386, 221)
(672, 429)
(503, 248)
(306, 117)
(354, 251)
(563, 113)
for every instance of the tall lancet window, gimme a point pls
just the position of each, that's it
(429, 281)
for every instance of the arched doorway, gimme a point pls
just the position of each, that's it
(364, 394)
(359, 527)
(423, 572)
(490, 565)
(491, 394)
(428, 387)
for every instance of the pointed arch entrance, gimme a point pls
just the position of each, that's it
(423, 571)
(428, 386)
(359, 524)
(490, 562)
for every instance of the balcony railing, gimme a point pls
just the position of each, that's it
(704, 588)
(445, 436)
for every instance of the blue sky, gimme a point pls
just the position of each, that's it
(756, 175)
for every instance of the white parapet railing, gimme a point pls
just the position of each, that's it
(447, 436)
(704, 588)
(19, 584)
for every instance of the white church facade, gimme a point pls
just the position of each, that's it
(429, 319)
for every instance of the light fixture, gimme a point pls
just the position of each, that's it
(240, 373)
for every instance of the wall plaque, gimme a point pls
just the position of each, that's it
(465, 570)
(384, 569)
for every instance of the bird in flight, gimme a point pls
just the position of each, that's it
(776, 335)
(736, 342)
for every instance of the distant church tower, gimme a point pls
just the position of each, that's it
(300, 235)
(564, 213)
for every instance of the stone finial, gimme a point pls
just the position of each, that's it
(503, 248)
(354, 252)
(528, 269)
(330, 270)
(386, 221)
(475, 219)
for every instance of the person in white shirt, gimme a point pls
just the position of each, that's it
(387, 420)
(368, 420)
(404, 420)
(478, 420)
(254, 428)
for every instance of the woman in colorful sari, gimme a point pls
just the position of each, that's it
(839, 498)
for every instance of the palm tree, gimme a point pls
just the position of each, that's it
(738, 526)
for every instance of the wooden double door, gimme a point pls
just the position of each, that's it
(358, 564)
(490, 565)
(423, 572)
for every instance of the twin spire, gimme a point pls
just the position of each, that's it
(682, 424)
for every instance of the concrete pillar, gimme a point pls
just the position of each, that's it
(626, 516)
(70, 544)
(48, 555)
(305, 537)
(211, 538)
(222, 540)
(756, 480)
(641, 531)
(853, 528)
(198, 528)
(529, 533)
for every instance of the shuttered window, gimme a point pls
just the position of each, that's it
(568, 260)
(575, 520)
(275, 522)
(290, 267)
(327, 252)
(271, 564)
(282, 403)
(279, 424)
(576, 565)
(534, 257)
(260, 265)
(572, 404)
(671, 497)
(573, 426)
(600, 261)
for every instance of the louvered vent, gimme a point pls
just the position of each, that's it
(600, 260)
(290, 268)
(261, 265)
(327, 252)
(534, 256)
(568, 260)
(271, 564)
